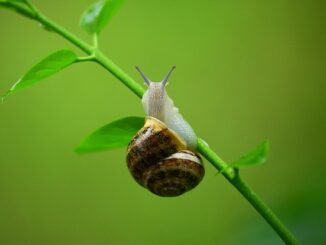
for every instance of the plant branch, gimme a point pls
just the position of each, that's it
(86, 58)
(231, 174)
(88, 49)
(264, 210)
(98, 55)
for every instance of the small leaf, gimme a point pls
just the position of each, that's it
(48, 66)
(113, 135)
(98, 15)
(256, 157)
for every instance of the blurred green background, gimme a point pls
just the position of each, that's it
(246, 71)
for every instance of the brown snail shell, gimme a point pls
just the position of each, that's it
(159, 160)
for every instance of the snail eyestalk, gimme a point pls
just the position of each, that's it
(165, 80)
(146, 79)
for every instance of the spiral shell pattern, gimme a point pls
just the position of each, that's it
(159, 160)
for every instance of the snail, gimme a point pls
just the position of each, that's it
(162, 156)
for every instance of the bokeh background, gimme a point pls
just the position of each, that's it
(246, 71)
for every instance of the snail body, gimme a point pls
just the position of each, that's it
(158, 104)
(161, 156)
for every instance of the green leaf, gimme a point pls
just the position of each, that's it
(113, 135)
(48, 66)
(256, 157)
(98, 15)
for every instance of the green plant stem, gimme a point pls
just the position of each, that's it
(98, 55)
(64, 33)
(119, 73)
(263, 209)
(231, 174)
